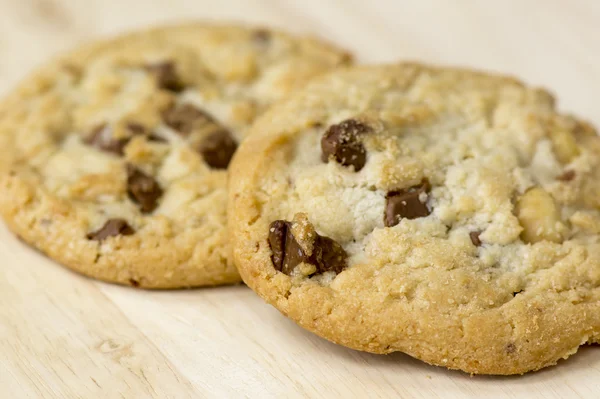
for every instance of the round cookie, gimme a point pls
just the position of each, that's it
(448, 214)
(116, 154)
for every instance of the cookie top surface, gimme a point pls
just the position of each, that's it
(445, 213)
(117, 152)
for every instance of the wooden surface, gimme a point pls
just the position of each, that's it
(65, 336)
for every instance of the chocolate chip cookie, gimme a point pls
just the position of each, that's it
(445, 213)
(116, 154)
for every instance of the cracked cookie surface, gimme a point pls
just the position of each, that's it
(460, 213)
(115, 156)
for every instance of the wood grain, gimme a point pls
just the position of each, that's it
(65, 336)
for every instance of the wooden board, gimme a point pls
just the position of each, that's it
(65, 336)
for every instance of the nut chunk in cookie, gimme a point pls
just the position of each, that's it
(540, 217)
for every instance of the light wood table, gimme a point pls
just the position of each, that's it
(65, 336)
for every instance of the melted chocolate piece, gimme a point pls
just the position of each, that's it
(406, 203)
(166, 76)
(155, 138)
(142, 189)
(474, 235)
(327, 254)
(101, 138)
(112, 228)
(261, 36)
(184, 118)
(342, 142)
(277, 240)
(137, 129)
(218, 148)
(568, 175)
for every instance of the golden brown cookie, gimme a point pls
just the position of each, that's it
(115, 155)
(445, 213)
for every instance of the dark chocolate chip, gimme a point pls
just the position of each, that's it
(510, 348)
(261, 36)
(475, 238)
(112, 228)
(136, 129)
(166, 76)
(142, 189)
(327, 254)
(101, 138)
(155, 138)
(277, 237)
(140, 130)
(568, 175)
(134, 282)
(185, 117)
(406, 204)
(342, 142)
(218, 148)
(287, 254)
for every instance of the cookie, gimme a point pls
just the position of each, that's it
(445, 213)
(116, 155)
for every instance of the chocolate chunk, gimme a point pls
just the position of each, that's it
(277, 238)
(261, 36)
(102, 139)
(166, 76)
(185, 117)
(218, 148)
(113, 227)
(142, 189)
(156, 138)
(134, 283)
(327, 254)
(342, 142)
(138, 130)
(475, 238)
(406, 203)
(568, 175)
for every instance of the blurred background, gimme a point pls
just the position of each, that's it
(553, 43)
